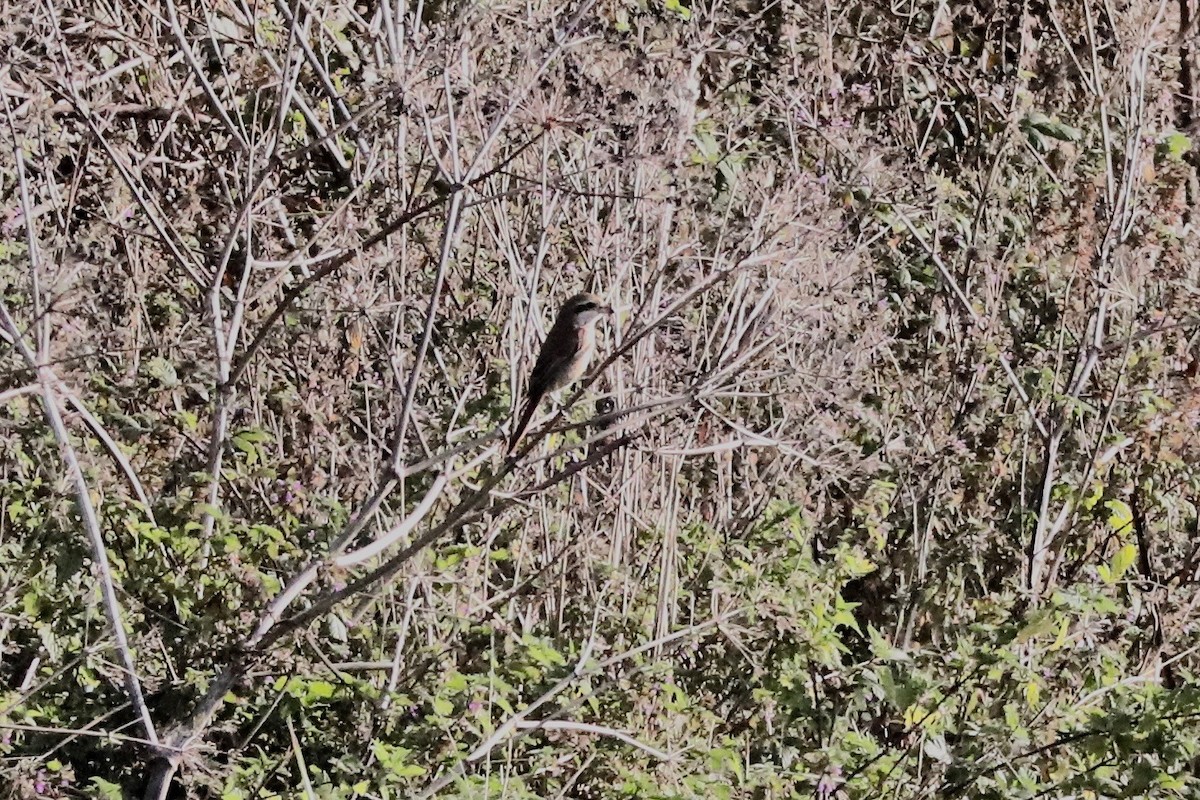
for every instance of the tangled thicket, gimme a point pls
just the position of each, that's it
(884, 486)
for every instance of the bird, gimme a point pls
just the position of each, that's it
(564, 355)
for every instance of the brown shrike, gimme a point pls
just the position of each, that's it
(564, 355)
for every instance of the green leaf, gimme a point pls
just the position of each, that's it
(725, 760)
(1174, 145)
(1119, 515)
(1039, 122)
(442, 707)
(1041, 623)
(855, 564)
(254, 435)
(544, 654)
(1094, 493)
(709, 152)
(337, 628)
(1064, 629)
(675, 698)
(105, 790)
(1011, 719)
(162, 371)
(1122, 560)
(676, 7)
(882, 649)
(844, 616)
(318, 690)
(215, 512)
(395, 760)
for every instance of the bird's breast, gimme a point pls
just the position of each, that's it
(578, 363)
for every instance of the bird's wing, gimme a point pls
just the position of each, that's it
(558, 351)
(553, 363)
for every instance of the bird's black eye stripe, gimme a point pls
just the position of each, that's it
(585, 306)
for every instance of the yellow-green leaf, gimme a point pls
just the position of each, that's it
(1119, 514)
(1042, 623)
(1122, 560)
(1174, 145)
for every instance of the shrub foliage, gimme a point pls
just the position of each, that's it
(883, 484)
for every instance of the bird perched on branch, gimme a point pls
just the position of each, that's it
(564, 355)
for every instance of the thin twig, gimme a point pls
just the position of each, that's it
(91, 525)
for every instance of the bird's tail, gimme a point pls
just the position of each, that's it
(530, 406)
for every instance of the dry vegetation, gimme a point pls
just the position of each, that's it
(884, 485)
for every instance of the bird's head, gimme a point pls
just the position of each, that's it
(583, 309)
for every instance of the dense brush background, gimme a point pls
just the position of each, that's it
(905, 501)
